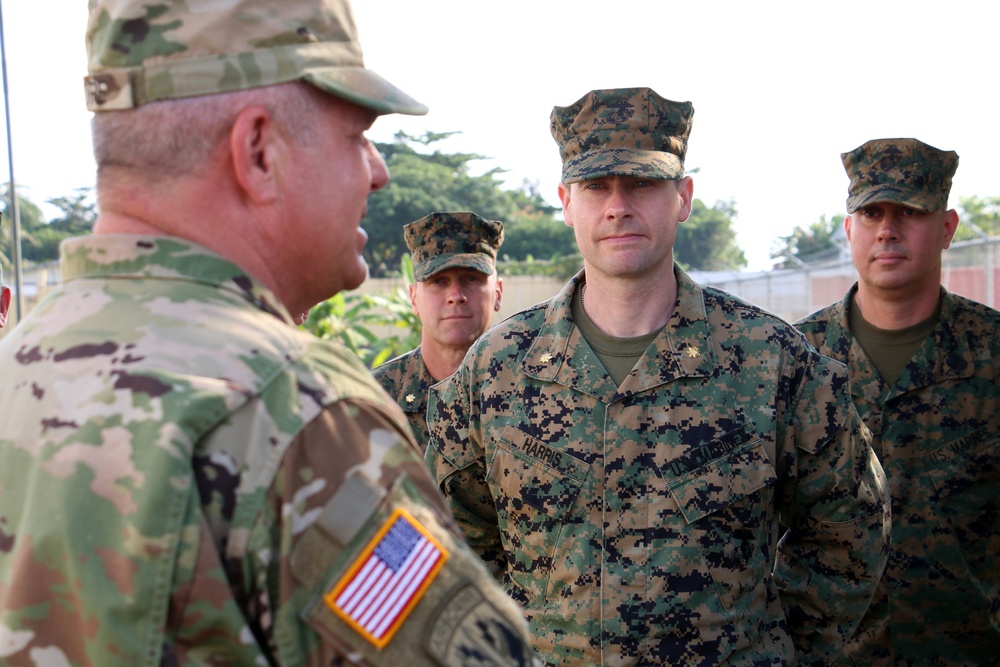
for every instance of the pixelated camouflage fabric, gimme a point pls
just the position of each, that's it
(406, 380)
(443, 240)
(622, 132)
(722, 506)
(937, 434)
(904, 171)
(187, 472)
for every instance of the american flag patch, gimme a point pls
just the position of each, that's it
(386, 581)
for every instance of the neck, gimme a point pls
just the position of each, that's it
(441, 361)
(895, 313)
(630, 308)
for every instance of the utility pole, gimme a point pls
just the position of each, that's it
(15, 214)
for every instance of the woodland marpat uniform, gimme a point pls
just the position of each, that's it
(407, 380)
(937, 434)
(189, 479)
(722, 506)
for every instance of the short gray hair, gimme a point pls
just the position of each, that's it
(173, 137)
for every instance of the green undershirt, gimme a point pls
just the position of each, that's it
(618, 355)
(890, 349)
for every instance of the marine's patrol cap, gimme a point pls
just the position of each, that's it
(140, 51)
(444, 240)
(903, 171)
(622, 132)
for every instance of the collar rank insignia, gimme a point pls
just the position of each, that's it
(388, 578)
(545, 358)
(410, 398)
(693, 352)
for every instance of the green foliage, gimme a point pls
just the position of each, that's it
(805, 242)
(425, 181)
(40, 239)
(707, 240)
(981, 212)
(360, 321)
(31, 218)
(563, 268)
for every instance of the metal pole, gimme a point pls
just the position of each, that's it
(12, 191)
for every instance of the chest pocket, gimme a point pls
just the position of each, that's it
(534, 488)
(721, 490)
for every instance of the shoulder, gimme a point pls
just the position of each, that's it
(393, 370)
(741, 318)
(512, 332)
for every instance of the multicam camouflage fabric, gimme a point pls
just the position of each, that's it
(622, 132)
(140, 52)
(406, 380)
(188, 476)
(904, 171)
(444, 240)
(937, 433)
(722, 506)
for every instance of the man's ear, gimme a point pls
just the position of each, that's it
(256, 148)
(950, 226)
(413, 298)
(685, 190)
(564, 198)
(4, 304)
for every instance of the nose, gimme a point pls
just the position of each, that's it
(456, 295)
(617, 202)
(888, 228)
(380, 170)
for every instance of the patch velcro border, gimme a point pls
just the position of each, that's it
(386, 581)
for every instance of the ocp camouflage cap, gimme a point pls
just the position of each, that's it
(904, 171)
(622, 132)
(444, 240)
(140, 51)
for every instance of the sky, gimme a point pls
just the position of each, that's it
(780, 89)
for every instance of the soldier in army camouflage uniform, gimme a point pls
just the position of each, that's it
(457, 290)
(659, 472)
(190, 479)
(924, 375)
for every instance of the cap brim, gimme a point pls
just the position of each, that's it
(365, 88)
(658, 165)
(916, 200)
(475, 261)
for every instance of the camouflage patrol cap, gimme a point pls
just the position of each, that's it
(442, 241)
(140, 51)
(622, 132)
(904, 171)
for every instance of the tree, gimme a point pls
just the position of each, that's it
(807, 242)
(40, 239)
(983, 213)
(423, 182)
(30, 216)
(360, 320)
(707, 241)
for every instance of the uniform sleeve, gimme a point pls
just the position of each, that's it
(456, 458)
(352, 495)
(835, 509)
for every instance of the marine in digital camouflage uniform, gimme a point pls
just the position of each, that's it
(923, 369)
(720, 503)
(457, 290)
(187, 477)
